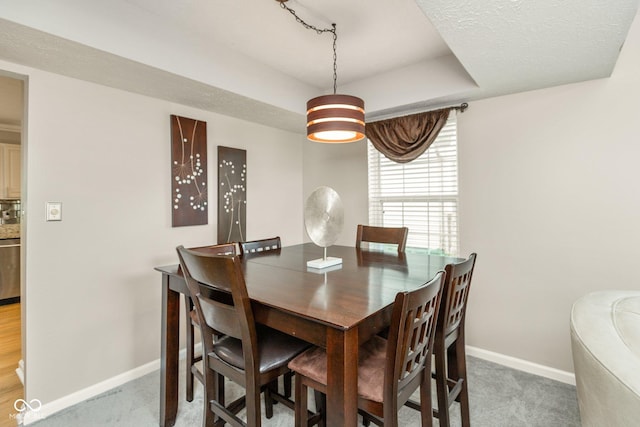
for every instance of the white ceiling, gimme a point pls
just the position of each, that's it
(251, 59)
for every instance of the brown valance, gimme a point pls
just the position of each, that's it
(403, 139)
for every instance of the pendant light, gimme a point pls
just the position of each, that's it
(332, 118)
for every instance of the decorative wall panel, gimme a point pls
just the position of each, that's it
(188, 171)
(232, 194)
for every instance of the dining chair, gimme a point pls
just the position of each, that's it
(259, 246)
(253, 246)
(392, 235)
(449, 344)
(251, 355)
(191, 321)
(389, 370)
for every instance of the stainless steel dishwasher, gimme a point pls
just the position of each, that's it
(9, 271)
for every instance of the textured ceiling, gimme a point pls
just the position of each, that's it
(250, 59)
(520, 45)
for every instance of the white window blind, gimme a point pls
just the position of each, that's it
(421, 194)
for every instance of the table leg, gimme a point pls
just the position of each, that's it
(169, 354)
(342, 377)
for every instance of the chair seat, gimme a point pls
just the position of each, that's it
(275, 349)
(372, 357)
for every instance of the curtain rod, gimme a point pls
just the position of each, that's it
(461, 107)
(392, 115)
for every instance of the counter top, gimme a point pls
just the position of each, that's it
(9, 231)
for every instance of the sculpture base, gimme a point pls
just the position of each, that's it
(324, 262)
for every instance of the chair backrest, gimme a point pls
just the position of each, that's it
(211, 278)
(262, 245)
(220, 249)
(411, 335)
(455, 295)
(393, 235)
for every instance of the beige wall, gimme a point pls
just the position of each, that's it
(92, 297)
(549, 199)
(342, 167)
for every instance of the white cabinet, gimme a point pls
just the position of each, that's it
(10, 173)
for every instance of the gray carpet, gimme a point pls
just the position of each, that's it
(499, 396)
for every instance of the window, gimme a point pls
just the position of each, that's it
(421, 194)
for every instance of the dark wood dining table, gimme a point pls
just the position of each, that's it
(337, 308)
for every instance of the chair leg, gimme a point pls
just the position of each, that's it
(461, 368)
(268, 400)
(442, 389)
(452, 363)
(252, 400)
(321, 406)
(287, 384)
(188, 306)
(220, 385)
(273, 385)
(301, 403)
(210, 389)
(426, 411)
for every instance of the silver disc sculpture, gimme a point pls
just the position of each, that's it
(324, 219)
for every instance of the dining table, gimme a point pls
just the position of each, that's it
(337, 308)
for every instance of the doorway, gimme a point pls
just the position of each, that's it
(12, 102)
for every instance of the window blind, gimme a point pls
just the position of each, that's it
(421, 194)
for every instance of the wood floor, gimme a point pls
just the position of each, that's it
(10, 353)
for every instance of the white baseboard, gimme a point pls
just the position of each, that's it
(523, 365)
(57, 405)
(20, 371)
(80, 396)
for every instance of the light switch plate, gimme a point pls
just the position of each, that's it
(54, 211)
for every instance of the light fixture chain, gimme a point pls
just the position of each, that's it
(335, 59)
(307, 26)
(320, 31)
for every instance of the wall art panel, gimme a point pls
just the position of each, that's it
(188, 172)
(232, 194)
